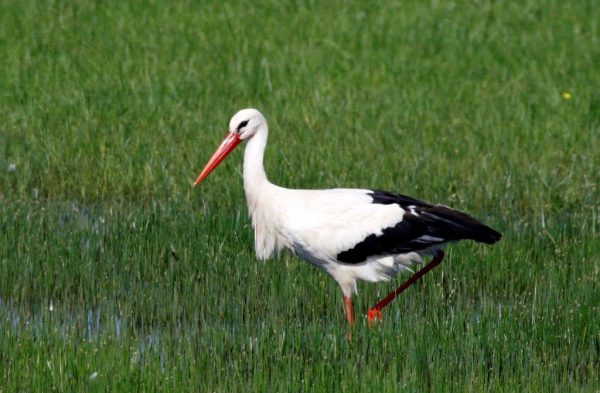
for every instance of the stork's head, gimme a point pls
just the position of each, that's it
(246, 122)
(243, 125)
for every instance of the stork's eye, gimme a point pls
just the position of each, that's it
(242, 125)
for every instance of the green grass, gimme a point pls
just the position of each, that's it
(116, 276)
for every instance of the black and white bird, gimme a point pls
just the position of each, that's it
(351, 234)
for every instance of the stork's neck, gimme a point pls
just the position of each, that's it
(255, 177)
(261, 195)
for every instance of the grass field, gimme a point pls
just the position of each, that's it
(115, 275)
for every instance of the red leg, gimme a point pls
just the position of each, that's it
(349, 310)
(375, 312)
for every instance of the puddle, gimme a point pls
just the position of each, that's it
(90, 325)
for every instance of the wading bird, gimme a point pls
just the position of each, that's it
(351, 234)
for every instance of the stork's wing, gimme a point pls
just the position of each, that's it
(356, 224)
(422, 226)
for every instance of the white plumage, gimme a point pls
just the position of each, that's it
(320, 224)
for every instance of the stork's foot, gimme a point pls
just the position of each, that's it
(375, 313)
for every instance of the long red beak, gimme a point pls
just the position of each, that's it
(229, 143)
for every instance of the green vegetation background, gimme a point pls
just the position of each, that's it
(116, 276)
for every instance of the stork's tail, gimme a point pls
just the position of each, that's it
(459, 225)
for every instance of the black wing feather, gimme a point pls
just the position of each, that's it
(422, 226)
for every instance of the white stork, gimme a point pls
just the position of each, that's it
(351, 234)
